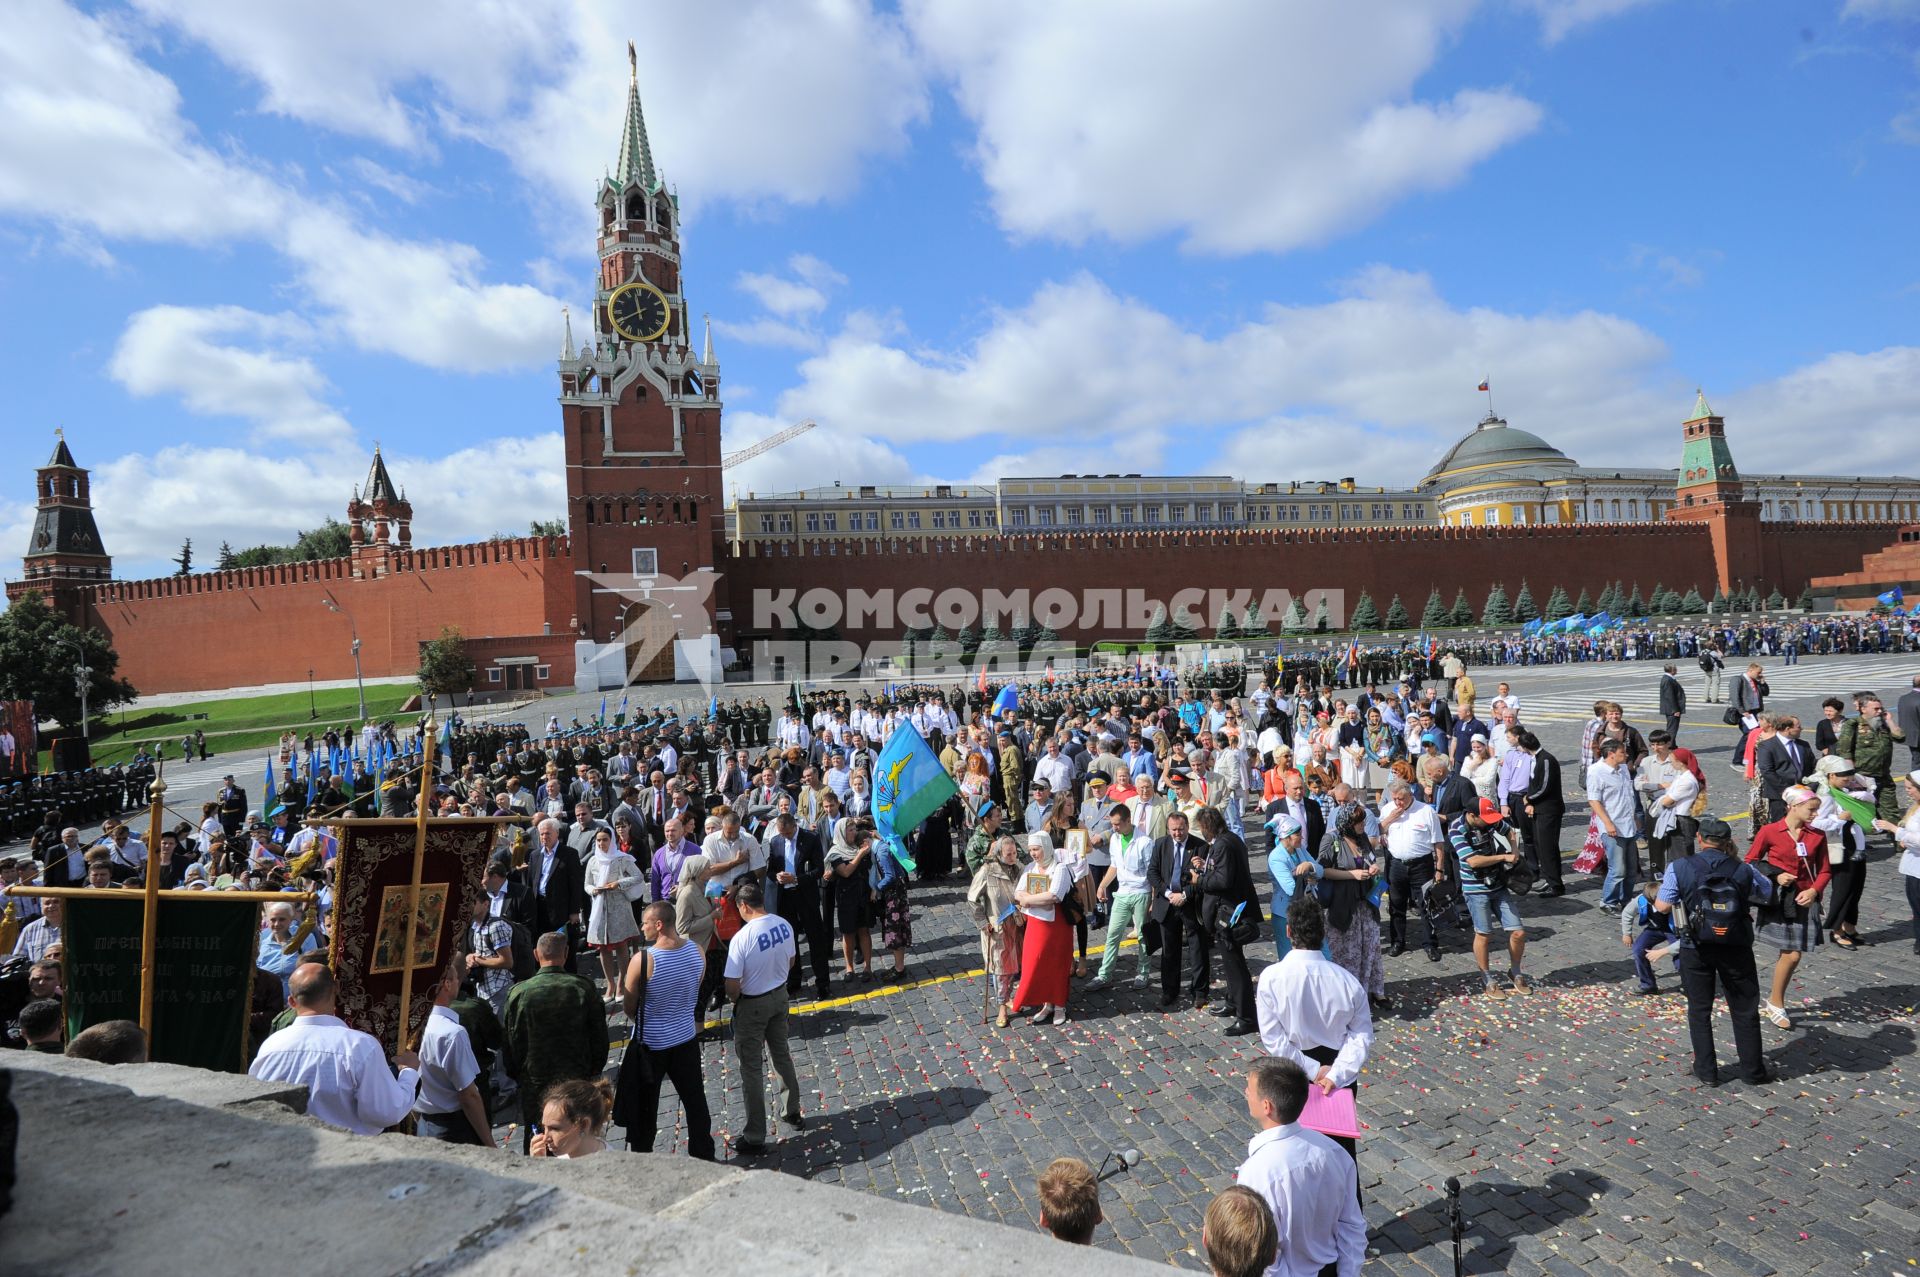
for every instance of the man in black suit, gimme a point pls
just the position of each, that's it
(1673, 700)
(1226, 884)
(555, 877)
(1749, 699)
(795, 864)
(1176, 908)
(1906, 716)
(66, 861)
(1305, 812)
(1780, 762)
(1445, 790)
(505, 897)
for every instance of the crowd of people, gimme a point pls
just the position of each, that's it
(659, 871)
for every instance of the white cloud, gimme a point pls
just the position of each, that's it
(767, 100)
(351, 64)
(408, 190)
(768, 332)
(424, 301)
(94, 138)
(782, 296)
(1863, 408)
(147, 503)
(180, 351)
(1889, 10)
(1559, 17)
(1239, 125)
(1082, 363)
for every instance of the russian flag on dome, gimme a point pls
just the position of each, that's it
(1484, 385)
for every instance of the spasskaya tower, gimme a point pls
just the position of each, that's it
(640, 412)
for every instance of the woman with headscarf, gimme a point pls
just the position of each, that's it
(694, 918)
(1062, 822)
(1382, 746)
(1482, 769)
(997, 915)
(1846, 846)
(1348, 870)
(1046, 948)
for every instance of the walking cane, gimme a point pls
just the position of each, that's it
(1453, 1217)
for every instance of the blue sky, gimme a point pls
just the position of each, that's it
(968, 237)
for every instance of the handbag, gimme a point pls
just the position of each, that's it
(1730, 716)
(636, 1069)
(1239, 928)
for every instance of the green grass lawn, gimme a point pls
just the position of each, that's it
(244, 726)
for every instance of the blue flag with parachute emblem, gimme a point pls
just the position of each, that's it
(1007, 702)
(909, 785)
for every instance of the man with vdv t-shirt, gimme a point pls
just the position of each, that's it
(758, 960)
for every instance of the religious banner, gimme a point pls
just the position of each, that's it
(374, 941)
(203, 973)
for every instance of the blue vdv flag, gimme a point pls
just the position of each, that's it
(1008, 701)
(271, 802)
(1893, 598)
(1531, 628)
(603, 708)
(909, 785)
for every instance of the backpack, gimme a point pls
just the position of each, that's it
(525, 964)
(1716, 899)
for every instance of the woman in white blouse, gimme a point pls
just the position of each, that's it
(1907, 835)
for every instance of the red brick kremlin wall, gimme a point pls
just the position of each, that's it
(1383, 561)
(270, 625)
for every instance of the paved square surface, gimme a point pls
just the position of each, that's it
(1582, 1142)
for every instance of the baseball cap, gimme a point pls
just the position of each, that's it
(1490, 811)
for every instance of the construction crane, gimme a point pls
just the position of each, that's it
(772, 441)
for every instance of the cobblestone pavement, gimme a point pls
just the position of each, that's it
(1581, 1140)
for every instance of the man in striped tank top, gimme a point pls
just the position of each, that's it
(669, 971)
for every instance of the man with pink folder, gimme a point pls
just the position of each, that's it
(1314, 1013)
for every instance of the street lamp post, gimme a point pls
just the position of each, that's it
(83, 681)
(353, 629)
(313, 709)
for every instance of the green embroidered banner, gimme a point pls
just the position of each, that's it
(203, 973)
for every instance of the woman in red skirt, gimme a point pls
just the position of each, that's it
(1046, 950)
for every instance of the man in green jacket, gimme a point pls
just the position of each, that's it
(1868, 741)
(556, 1030)
(985, 830)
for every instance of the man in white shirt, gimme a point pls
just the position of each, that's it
(344, 1070)
(734, 848)
(758, 960)
(1311, 1187)
(449, 1108)
(1312, 1011)
(1055, 768)
(1415, 844)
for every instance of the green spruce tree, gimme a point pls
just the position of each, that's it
(1558, 604)
(1462, 610)
(1497, 611)
(1435, 615)
(1636, 606)
(1585, 606)
(1805, 601)
(1524, 608)
(1776, 600)
(1397, 618)
(1224, 626)
(1295, 621)
(1365, 615)
(1251, 626)
(1693, 604)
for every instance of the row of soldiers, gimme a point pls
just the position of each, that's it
(90, 796)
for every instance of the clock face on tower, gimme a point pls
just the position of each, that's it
(638, 311)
